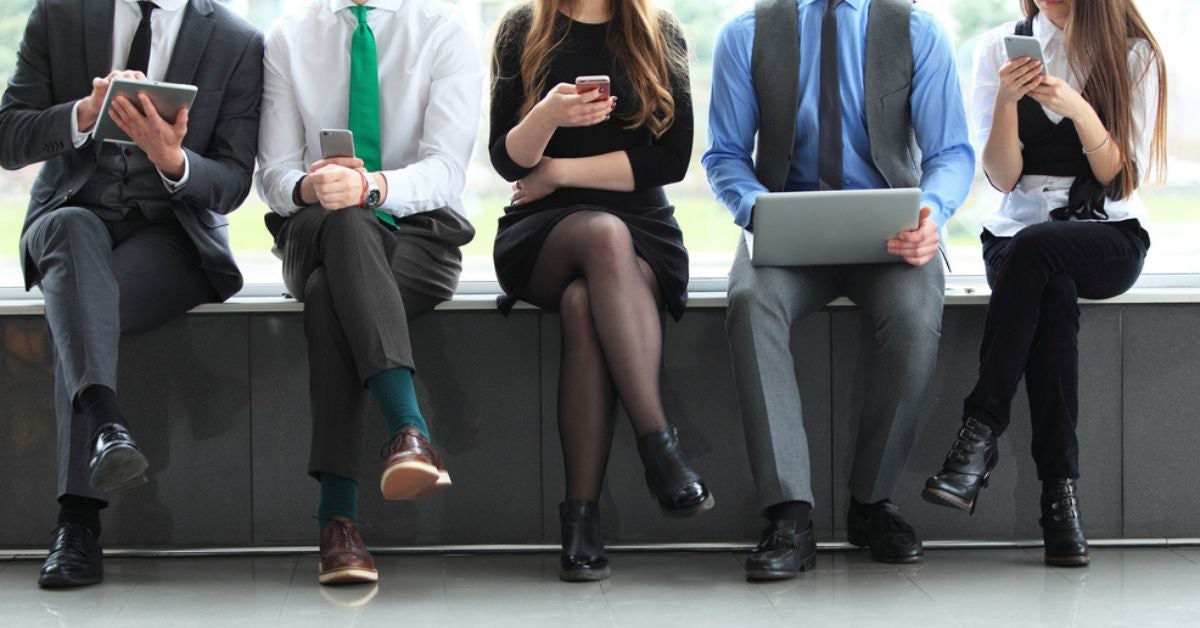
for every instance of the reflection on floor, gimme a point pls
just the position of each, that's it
(1145, 587)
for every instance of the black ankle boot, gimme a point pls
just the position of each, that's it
(583, 558)
(966, 469)
(680, 490)
(1062, 528)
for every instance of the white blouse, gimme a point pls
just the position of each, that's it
(1035, 196)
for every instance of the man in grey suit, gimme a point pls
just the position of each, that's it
(122, 239)
(842, 106)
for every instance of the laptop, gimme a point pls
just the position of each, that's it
(834, 227)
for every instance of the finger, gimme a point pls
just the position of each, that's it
(564, 88)
(590, 96)
(149, 110)
(181, 121)
(924, 215)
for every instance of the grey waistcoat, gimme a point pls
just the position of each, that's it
(124, 178)
(775, 69)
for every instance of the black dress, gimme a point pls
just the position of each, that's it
(656, 162)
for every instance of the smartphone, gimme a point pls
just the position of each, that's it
(336, 143)
(1018, 46)
(585, 84)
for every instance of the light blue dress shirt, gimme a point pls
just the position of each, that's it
(939, 119)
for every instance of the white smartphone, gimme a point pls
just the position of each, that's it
(336, 143)
(1018, 46)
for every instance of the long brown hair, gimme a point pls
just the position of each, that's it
(1098, 35)
(645, 41)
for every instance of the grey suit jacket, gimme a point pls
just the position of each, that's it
(69, 42)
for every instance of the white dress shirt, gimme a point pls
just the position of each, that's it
(430, 92)
(1035, 196)
(164, 32)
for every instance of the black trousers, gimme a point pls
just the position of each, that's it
(361, 284)
(1032, 326)
(100, 279)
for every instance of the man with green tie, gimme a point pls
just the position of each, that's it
(369, 242)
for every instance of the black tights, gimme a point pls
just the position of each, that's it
(610, 305)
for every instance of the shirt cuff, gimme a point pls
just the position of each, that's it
(77, 138)
(745, 211)
(935, 204)
(175, 186)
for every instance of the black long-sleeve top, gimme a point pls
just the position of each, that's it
(655, 161)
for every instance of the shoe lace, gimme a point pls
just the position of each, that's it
(343, 536)
(73, 538)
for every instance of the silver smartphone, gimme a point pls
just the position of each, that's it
(1018, 46)
(336, 143)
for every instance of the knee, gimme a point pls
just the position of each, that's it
(917, 326)
(575, 310)
(347, 226)
(1031, 243)
(71, 222)
(751, 307)
(608, 241)
(316, 289)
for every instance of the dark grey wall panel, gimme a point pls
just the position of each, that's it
(1162, 394)
(699, 396)
(28, 440)
(478, 386)
(1008, 508)
(220, 404)
(185, 390)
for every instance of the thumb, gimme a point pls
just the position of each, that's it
(925, 214)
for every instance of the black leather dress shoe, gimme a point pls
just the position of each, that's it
(116, 464)
(75, 559)
(783, 552)
(1062, 527)
(880, 527)
(966, 470)
(583, 558)
(680, 491)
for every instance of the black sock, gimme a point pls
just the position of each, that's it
(83, 511)
(99, 404)
(800, 512)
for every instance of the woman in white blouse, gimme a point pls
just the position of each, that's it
(1068, 144)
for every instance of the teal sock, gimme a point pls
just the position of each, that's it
(397, 398)
(339, 498)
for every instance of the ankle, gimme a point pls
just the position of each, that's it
(99, 404)
(798, 511)
(339, 498)
(83, 511)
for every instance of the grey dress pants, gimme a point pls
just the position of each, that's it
(361, 284)
(902, 305)
(100, 279)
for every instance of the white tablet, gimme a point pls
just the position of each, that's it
(168, 99)
(822, 228)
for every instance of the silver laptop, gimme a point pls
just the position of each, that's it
(821, 228)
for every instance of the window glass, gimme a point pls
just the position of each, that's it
(708, 230)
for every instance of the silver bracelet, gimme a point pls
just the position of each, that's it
(1098, 148)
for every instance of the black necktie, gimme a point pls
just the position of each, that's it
(829, 147)
(139, 51)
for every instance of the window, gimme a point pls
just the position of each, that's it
(708, 230)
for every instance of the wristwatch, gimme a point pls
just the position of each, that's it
(371, 195)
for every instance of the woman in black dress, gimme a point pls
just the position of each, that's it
(589, 232)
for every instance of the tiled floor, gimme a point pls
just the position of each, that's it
(1149, 587)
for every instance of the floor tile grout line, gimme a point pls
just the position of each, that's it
(938, 605)
(288, 594)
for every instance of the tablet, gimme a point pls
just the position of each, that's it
(168, 99)
(837, 227)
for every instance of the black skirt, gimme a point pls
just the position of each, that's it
(656, 238)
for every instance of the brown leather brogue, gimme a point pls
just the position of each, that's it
(413, 468)
(344, 556)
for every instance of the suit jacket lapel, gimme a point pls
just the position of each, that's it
(98, 37)
(193, 38)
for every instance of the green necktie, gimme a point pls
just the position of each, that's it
(364, 99)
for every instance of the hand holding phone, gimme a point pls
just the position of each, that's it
(586, 103)
(1018, 46)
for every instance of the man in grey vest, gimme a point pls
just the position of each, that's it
(840, 94)
(122, 239)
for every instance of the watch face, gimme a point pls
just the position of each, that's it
(372, 199)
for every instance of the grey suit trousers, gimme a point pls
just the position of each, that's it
(902, 305)
(361, 284)
(101, 279)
